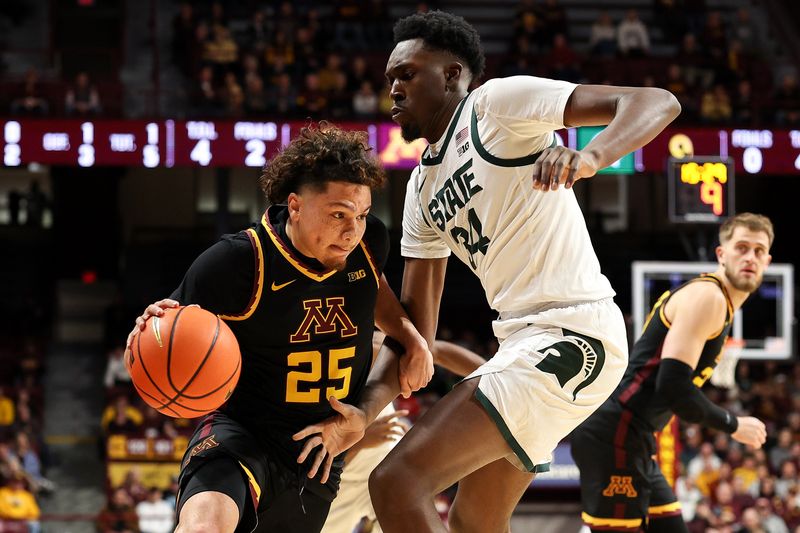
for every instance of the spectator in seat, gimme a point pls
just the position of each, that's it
(232, 95)
(781, 451)
(312, 99)
(18, 503)
(7, 412)
(205, 97)
(31, 102)
(751, 522)
(116, 374)
(603, 37)
(222, 51)
(282, 97)
(119, 515)
(121, 417)
(771, 521)
(744, 109)
(554, 21)
(787, 101)
(183, 32)
(82, 97)
(715, 105)
(255, 98)
(340, 100)
(155, 514)
(633, 37)
(365, 101)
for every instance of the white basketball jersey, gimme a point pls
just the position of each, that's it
(473, 194)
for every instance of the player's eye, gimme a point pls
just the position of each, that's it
(338, 214)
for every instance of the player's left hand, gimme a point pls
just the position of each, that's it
(560, 165)
(333, 436)
(416, 367)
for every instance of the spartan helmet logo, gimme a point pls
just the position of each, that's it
(575, 362)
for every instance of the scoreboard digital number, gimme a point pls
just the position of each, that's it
(700, 189)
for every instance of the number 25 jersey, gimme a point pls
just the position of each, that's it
(473, 194)
(304, 331)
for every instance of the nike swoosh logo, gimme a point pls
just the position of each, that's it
(276, 288)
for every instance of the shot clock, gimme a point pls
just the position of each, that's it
(700, 189)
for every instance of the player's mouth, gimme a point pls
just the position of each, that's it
(396, 112)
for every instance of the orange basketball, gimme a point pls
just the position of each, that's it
(185, 363)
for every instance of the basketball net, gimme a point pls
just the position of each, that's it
(724, 375)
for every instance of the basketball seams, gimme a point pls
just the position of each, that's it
(199, 366)
(174, 403)
(147, 373)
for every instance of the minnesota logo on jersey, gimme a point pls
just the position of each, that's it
(620, 485)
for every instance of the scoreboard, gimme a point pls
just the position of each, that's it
(163, 143)
(227, 143)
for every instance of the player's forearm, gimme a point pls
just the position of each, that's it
(392, 319)
(423, 283)
(383, 384)
(639, 116)
(455, 358)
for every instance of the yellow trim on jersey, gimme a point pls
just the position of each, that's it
(286, 255)
(666, 508)
(252, 480)
(371, 264)
(611, 522)
(259, 281)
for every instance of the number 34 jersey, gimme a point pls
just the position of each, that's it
(305, 331)
(473, 194)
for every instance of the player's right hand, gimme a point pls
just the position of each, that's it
(333, 435)
(154, 309)
(751, 431)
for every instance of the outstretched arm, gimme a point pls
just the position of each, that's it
(634, 115)
(456, 359)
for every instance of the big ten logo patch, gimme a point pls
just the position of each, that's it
(357, 275)
(620, 485)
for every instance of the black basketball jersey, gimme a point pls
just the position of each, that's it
(636, 391)
(304, 331)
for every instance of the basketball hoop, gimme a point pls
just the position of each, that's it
(724, 375)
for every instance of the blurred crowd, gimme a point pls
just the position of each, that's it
(725, 487)
(325, 60)
(24, 457)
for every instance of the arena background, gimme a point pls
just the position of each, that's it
(132, 137)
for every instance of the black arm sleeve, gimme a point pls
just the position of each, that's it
(221, 279)
(674, 385)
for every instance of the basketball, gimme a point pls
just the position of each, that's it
(185, 363)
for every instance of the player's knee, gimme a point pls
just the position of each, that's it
(199, 526)
(472, 519)
(379, 483)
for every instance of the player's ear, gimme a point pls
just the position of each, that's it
(293, 201)
(452, 75)
(720, 255)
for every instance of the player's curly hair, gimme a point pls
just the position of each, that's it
(321, 154)
(444, 31)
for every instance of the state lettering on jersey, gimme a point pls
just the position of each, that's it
(325, 317)
(454, 195)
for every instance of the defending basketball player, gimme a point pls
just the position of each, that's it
(302, 291)
(489, 190)
(622, 487)
(353, 504)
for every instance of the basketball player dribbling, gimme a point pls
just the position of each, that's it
(489, 190)
(302, 291)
